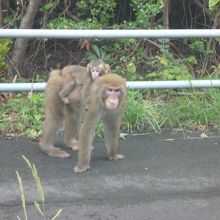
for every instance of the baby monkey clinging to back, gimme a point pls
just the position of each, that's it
(95, 69)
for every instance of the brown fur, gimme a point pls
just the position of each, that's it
(103, 69)
(56, 112)
(98, 111)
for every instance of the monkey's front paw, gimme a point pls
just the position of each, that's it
(80, 169)
(75, 145)
(116, 157)
(66, 101)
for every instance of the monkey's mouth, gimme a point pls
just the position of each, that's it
(95, 76)
(111, 106)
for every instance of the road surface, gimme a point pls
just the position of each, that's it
(163, 177)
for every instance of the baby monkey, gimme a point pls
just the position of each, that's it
(95, 69)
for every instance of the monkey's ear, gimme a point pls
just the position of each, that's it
(107, 67)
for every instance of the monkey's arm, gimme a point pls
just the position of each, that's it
(66, 90)
(112, 124)
(86, 136)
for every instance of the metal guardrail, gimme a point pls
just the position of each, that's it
(138, 33)
(185, 84)
(115, 34)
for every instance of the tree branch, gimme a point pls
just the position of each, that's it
(27, 21)
(203, 7)
(1, 14)
(166, 14)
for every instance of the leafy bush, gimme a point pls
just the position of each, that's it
(169, 69)
(66, 23)
(98, 53)
(5, 46)
(98, 11)
(61, 23)
(145, 12)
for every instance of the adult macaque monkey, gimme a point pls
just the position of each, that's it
(95, 69)
(56, 111)
(107, 100)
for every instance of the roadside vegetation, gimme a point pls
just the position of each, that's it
(135, 59)
(197, 110)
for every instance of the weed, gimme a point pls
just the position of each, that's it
(40, 206)
(22, 115)
(142, 114)
(190, 108)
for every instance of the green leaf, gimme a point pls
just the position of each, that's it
(152, 75)
(48, 6)
(131, 68)
(213, 4)
(164, 61)
(96, 50)
(37, 117)
(191, 59)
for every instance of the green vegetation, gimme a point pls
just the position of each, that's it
(194, 109)
(134, 59)
(22, 115)
(146, 112)
(142, 115)
(191, 109)
(5, 45)
(39, 205)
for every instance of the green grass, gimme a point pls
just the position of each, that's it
(23, 115)
(194, 108)
(142, 115)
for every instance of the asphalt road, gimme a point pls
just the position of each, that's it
(162, 177)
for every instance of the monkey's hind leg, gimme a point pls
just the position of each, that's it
(53, 151)
(71, 128)
(50, 128)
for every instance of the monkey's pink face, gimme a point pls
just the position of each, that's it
(95, 72)
(112, 97)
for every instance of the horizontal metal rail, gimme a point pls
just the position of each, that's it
(71, 34)
(180, 84)
(185, 84)
(138, 33)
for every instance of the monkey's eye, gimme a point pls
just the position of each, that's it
(109, 90)
(117, 90)
(95, 70)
